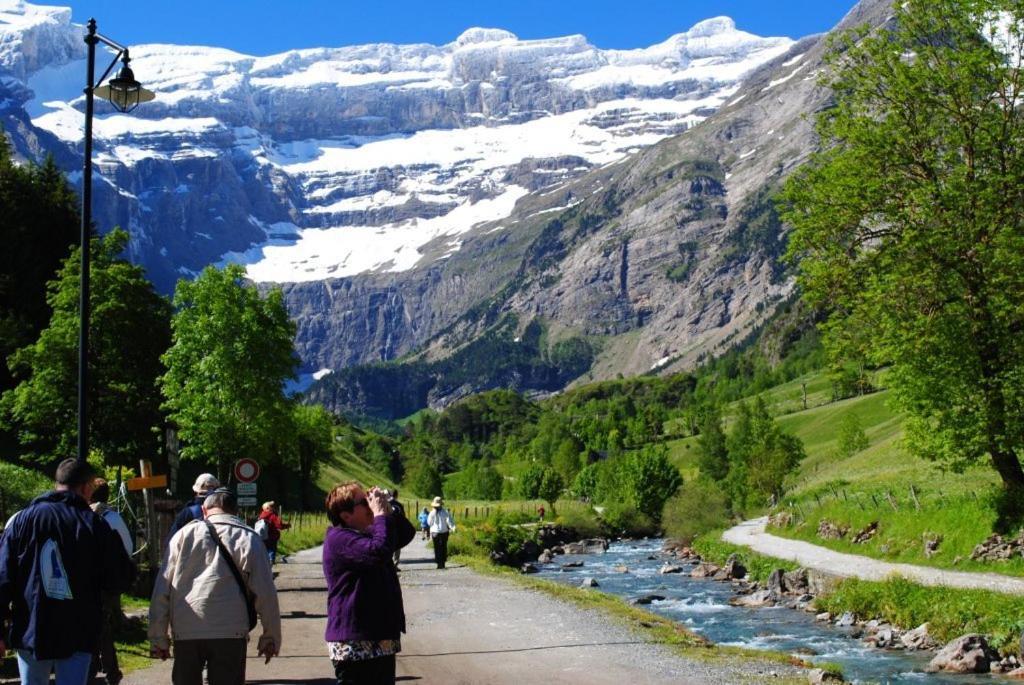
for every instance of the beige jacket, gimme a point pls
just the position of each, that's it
(198, 596)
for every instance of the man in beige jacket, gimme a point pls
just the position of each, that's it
(197, 594)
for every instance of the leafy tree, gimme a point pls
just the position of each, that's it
(909, 223)
(651, 480)
(129, 330)
(231, 353)
(530, 481)
(423, 478)
(714, 454)
(566, 460)
(551, 486)
(314, 437)
(40, 225)
(852, 438)
(761, 455)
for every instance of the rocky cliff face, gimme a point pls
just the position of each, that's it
(418, 198)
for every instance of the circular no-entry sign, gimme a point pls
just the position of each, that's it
(246, 470)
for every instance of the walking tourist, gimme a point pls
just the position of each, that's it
(398, 510)
(56, 560)
(365, 616)
(424, 525)
(273, 526)
(193, 511)
(217, 578)
(441, 525)
(105, 657)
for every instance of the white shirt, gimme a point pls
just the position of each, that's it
(118, 525)
(440, 521)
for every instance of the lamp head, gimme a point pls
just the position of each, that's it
(123, 91)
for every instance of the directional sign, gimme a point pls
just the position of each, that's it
(247, 501)
(246, 470)
(246, 489)
(146, 483)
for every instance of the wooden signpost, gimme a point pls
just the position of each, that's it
(147, 482)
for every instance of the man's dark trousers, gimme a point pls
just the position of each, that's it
(440, 548)
(224, 660)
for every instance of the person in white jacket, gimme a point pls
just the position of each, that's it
(441, 525)
(197, 597)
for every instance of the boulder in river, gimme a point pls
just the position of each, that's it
(589, 582)
(528, 568)
(796, 581)
(647, 599)
(777, 582)
(819, 676)
(621, 568)
(847, 619)
(572, 564)
(590, 546)
(670, 568)
(761, 598)
(969, 653)
(545, 557)
(703, 570)
(918, 638)
(734, 568)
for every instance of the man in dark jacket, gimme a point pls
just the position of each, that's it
(56, 560)
(205, 484)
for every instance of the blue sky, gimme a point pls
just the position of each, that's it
(262, 27)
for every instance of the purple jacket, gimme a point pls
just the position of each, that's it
(364, 599)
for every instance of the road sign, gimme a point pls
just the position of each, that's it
(247, 501)
(246, 489)
(146, 483)
(246, 470)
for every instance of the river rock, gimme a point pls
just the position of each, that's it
(796, 581)
(621, 568)
(918, 638)
(847, 619)
(545, 557)
(761, 598)
(734, 568)
(823, 617)
(589, 546)
(777, 582)
(589, 582)
(670, 568)
(647, 599)
(528, 568)
(969, 653)
(819, 676)
(573, 564)
(703, 570)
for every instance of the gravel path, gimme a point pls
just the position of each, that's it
(752, 534)
(467, 628)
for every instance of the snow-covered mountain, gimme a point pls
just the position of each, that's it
(326, 163)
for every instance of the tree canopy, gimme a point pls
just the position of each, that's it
(909, 224)
(129, 330)
(230, 355)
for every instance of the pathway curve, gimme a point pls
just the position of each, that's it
(465, 628)
(752, 534)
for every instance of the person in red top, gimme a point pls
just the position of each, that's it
(274, 526)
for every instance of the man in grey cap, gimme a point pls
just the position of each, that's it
(204, 485)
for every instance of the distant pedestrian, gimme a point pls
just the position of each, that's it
(273, 526)
(365, 616)
(56, 559)
(540, 512)
(193, 511)
(105, 656)
(217, 578)
(398, 510)
(441, 526)
(424, 524)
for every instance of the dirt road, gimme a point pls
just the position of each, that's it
(752, 534)
(465, 628)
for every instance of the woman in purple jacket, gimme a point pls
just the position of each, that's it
(364, 600)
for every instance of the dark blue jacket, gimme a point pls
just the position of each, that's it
(56, 559)
(193, 511)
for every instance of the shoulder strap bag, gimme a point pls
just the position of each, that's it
(250, 606)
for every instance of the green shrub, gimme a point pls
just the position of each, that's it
(584, 521)
(711, 547)
(621, 519)
(699, 507)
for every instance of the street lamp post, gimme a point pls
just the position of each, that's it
(125, 94)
